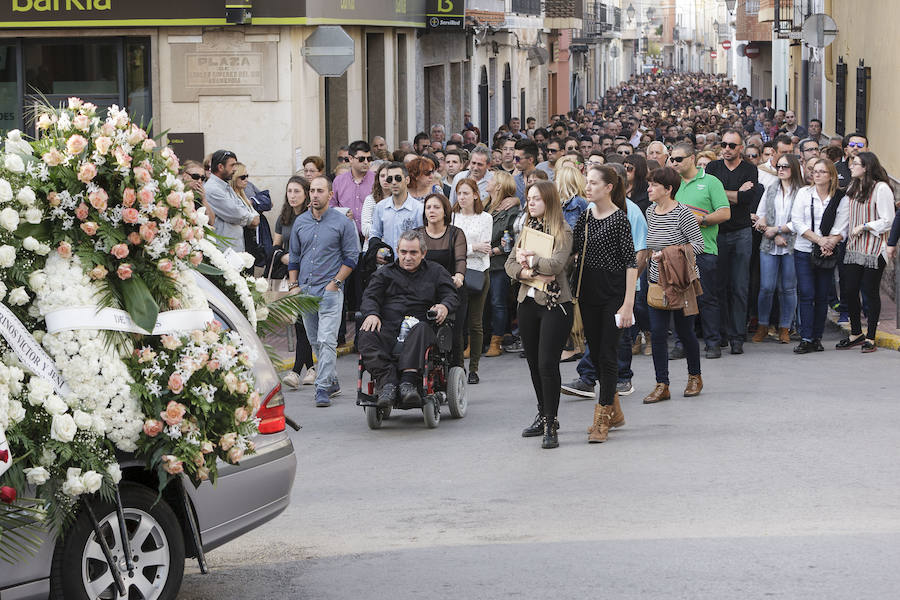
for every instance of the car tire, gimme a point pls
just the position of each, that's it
(374, 416)
(456, 392)
(431, 410)
(79, 571)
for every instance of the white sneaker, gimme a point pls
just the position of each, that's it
(310, 377)
(291, 379)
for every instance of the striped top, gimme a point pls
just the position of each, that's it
(877, 214)
(676, 227)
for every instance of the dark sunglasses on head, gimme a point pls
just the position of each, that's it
(243, 177)
(343, 159)
(677, 159)
(393, 178)
(730, 145)
(197, 176)
(364, 158)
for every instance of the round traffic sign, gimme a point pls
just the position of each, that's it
(726, 44)
(713, 54)
(751, 51)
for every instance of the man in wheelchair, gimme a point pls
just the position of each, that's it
(409, 287)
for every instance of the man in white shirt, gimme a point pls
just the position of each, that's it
(478, 170)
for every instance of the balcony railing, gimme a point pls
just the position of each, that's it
(526, 7)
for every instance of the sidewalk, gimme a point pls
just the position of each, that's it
(888, 329)
(285, 348)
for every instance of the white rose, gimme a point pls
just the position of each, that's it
(262, 313)
(248, 259)
(48, 457)
(9, 219)
(14, 163)
(55, 405)
(83, 420)
(39, 390)
(15, 412)
(6, 193)
(18, 297)
(26, 196)
(73, 487)
(30, 244)
(2, 290)
(37, 475)
(43, 250)
(63, 428)
(115, 472)
(262, 285)
(34, 215)
(37, 280)
(92, 481)
(7, 256)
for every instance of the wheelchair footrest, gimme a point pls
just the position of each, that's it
(365, 400)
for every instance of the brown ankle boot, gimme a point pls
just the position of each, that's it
(617, 418)
(466, 352)
(784, 335)
(636, 345)
(601, 424)
(659, 393)
(762, 332)
(495, 349)
(648, 346)
(694, 386)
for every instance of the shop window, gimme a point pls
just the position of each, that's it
(9, 95)
(137, 80)
(68, 68)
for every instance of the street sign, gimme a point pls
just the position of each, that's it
(751, 51)
(445, 14)
(329, 50)
(726, 44)
(713, 54)
(818, 30)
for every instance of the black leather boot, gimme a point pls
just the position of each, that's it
(537, 428)
(551, 440)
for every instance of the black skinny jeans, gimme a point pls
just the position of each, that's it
(858, 277)
(303, 354)
(544, 334)
(603, 339)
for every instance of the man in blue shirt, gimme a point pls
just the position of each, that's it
(398, 212)
(324, 250)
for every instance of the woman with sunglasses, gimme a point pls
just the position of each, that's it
(239, 182)
(421, 178)
(871, 216)
(367, 213)
(820, 217)
(776, 263)
(194, 176)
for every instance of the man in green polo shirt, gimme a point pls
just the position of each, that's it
(705, 196)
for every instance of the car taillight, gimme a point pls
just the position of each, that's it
(271, 412)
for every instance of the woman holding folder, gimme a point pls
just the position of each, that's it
(539, 261)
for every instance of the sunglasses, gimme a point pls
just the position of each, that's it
(243, 177)
(364, 158)
(780, 167)
(343, 159)
(393, 178)
(809, 149)
(856, 144)
(518, 158)
(629, 168)
(197, 176)
(729, 145)
(677, 159)
(752, 155)
(820, 172)
(623, 153)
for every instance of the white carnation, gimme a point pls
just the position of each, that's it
(55, 405)
(7, 256)
(26, 196)
(92, 481)
(30, 244)
(63, 428)
(34, 215)
(18, 297)
(14, 163)
(37, 475)
(6, 193)
(9, 219)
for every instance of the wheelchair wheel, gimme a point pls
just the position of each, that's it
(456, 392)
(431, 410)
(374, 417)
(386, 413)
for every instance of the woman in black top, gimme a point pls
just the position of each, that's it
(446, 245)
(606, 295)
(296, 201)
(636, 181)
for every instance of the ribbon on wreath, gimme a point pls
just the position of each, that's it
(113, 319)
(5, 455)
(29, 351)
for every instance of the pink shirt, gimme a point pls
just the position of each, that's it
(350, 194)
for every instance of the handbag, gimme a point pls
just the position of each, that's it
(577, 333)
(817, 259)
(278, 286)
(474, 281)
(656, 297)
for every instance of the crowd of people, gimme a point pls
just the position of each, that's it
(674, 205)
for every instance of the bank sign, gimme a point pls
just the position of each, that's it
(445, 14)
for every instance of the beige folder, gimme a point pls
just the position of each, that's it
(542, 245)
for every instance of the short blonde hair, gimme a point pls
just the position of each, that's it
(570, 182)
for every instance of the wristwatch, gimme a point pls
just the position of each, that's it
(703, 221)
(293, 284)
(338, 283)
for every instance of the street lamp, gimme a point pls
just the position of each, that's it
(650, 12)
(630, 12)
(729, 4)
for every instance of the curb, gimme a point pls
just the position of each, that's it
(883, 339)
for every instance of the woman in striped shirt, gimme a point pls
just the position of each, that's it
(670, 224)
(871, 215)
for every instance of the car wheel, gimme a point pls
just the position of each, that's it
(432, 413)
(456, 392)
(386, 412)
(80, 570)
(374, 417)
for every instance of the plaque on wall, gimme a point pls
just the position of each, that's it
(225, 66)
(187, 146)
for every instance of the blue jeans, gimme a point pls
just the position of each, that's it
(321, 330)
(710, 315)
(585, 367)
(813, 288)
(641, 316)
(499, 296)
(659, 334)
(776, 273)
(734, 281)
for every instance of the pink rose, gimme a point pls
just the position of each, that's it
(148, 145)
(107, 129)
(134, 238)
(128, 197)
(170, 342)
(148, 231)
(53, 199)
(241, 414)
(82, 122)
(64, 249)
(102, 144)
(172, 465)
(196, 258)
(174, 199)
(81, 211)
(174, 303)
(235, 454)
(176, 383)
(136, 135)
(255, 400)
(212, 366)
(152, 427)
(120, 251)
(165, 265)
(89, 228)
(130, 215)
(161, 212)
(227, 441)
(145, 196)
(75, 144)
(74, 102)
(122, 157)
(142, 175)
(98, 272)
(203, 473)
(87, 172)
(182, 249)
(53, 157)
(207, 447)
(178, 223)
(187, 233)
(174, 413)
(98, 199)
(124, 271)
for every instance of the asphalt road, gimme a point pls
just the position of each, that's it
(781, 480)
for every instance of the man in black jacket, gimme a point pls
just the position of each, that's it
(410, 287)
